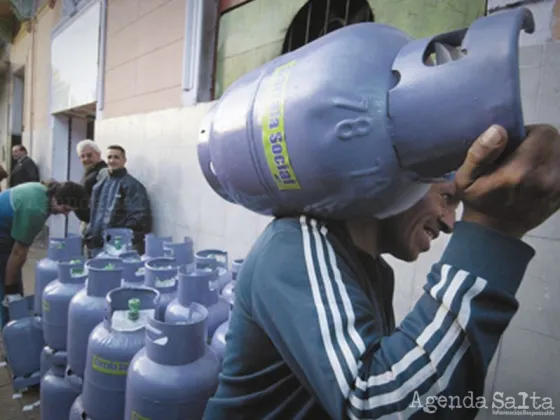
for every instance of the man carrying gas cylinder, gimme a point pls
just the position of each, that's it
(318, 340)
(24, 209)
(312, 334)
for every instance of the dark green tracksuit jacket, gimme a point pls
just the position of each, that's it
(312, 334)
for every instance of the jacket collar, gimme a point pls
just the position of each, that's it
(119, 173)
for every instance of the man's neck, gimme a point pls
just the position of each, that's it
(117, 172)
(364, 234)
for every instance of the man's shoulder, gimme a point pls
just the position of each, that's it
(281, 231)
(293, 230)
(30, 196)
(101, 172)
(287, 241)
(99, 178)
(27, 160)
(29, 189)
(131, 180)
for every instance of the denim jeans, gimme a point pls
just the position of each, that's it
(4, 255)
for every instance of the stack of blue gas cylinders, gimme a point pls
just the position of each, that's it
(123, 335)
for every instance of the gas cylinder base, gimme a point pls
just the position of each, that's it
(20, 383)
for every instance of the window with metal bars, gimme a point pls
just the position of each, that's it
(319, 17)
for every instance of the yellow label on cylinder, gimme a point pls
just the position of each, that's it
(46, 305)
(136, 416)
(273, 130)
(109, 367)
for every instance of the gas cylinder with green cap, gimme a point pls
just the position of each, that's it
(115, 242)
(111, 347)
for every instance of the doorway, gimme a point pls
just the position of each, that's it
(69, 128)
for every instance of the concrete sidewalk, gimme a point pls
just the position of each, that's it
(12, 408)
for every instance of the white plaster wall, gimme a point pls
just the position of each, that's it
(16, 110)
(5, 98)
(544, 20)
(40, 148)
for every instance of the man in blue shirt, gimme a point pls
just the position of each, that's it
(312, 334)
(24, 209)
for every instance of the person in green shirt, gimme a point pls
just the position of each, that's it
(24, 209)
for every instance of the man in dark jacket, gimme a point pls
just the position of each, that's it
(312, 333)
(25, 169)
(118, 201)
(90, 156)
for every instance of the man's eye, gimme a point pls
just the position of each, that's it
(450, 199)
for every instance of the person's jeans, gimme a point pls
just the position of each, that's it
(4, 316)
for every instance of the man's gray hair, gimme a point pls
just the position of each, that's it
(87, 143)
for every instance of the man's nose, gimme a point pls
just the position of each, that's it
(447, 220)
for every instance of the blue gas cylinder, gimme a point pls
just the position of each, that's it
(182, 252)
(359, 122)
(215, 258)
(87, 309)
(111, 347)
(23, 343)
(176, 373)
(57, 394)
(198, 286)
(154, 246)
(56, 300)
(115, 242)
(218, 342)
(46, 269)
(228, 292)
(133, 269)
(161, 274)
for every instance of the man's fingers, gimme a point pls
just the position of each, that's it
(483, 152)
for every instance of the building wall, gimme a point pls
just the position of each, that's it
(144, 56)
(21, 59)
(39, 135)
(547, 19)
(30, 52)
(4, 118)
